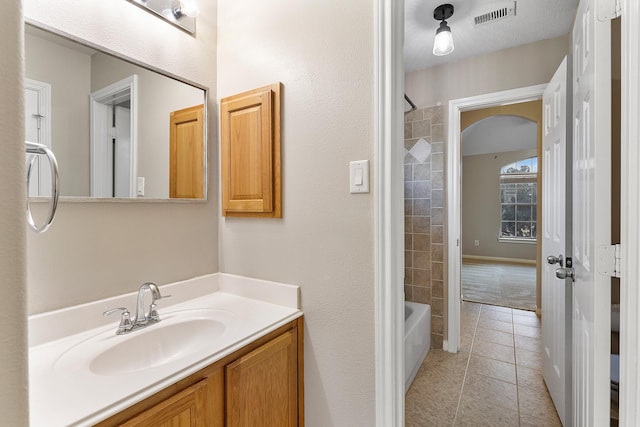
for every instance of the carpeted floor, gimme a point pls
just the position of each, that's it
(504, 284)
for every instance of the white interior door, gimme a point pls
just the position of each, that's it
(591, 215)
(556, 293)
(122, 153)
(37, 96)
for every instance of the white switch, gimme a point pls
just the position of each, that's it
(140, 189)
(359, 176)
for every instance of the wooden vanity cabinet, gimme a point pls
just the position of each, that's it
(258, 385)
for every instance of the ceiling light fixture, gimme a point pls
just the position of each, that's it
(443, 43)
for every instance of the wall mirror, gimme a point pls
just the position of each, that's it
(120, 130)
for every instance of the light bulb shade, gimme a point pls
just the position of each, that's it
(443, 44)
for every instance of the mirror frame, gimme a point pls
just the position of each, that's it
(81, 199)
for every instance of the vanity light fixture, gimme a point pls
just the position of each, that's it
(181, 13)
(443, 43)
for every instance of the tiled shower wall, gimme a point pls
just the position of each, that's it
(424, 213)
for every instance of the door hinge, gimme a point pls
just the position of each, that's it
(609, 260)
(112, 132)
(608, 9)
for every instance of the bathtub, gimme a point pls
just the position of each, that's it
(417, 338)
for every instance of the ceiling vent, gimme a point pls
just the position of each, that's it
(496, 14)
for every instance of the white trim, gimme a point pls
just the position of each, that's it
(454, 192)
(629, 411)
(518, 240)
(389, 213)
(99, 126)
(500, 259)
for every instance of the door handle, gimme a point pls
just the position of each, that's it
(563, 273)
(556, 260)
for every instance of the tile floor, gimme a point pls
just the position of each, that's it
(494, 380)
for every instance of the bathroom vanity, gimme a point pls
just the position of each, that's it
(259, 384)
(228, 351)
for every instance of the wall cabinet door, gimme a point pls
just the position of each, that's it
(262, 386)
(186, 153)
(250, 153)
(186, 409)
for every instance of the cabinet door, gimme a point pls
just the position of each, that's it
(186, 153)
(250, 153)
(261, 387)
(186, 409)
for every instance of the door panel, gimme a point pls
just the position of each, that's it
(186, 167)
(591, 215)
(122, 154)
(556, 293)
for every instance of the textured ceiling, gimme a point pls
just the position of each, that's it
(535, 20)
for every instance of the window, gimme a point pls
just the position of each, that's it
(518, 199)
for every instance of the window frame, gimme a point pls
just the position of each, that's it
(519, 175)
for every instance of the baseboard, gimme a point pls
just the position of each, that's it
(499, 259)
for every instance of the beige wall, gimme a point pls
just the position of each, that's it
(14, 408)
(512, 68)
(96, 250)
(481, 206)
(323, 54)
(158, 97)
(69, 74)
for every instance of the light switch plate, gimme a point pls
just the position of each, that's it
(140, 187)
(359, 176)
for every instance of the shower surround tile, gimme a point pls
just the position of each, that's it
(424, 195)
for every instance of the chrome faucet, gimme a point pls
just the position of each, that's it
(143, 318)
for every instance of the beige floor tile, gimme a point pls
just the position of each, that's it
(468, 319)
(496, 308)
(467, 329)
(527, 321)
(535, 404)
(528, 421)
(489, 392)
(493, 351)
(492, 368)
(497, 315)
(530, 378)
(470, 306)
(496, 325)
(504, 338)
(527, 331)
(528, 343)
(465, 343)
(527, 313)
(529, 359)
(474, 413)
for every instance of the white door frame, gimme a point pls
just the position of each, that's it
(629, 410)
(454, 192)
(389, 212)
(99, 130)
(38, 178)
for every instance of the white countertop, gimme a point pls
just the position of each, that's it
(65, 393)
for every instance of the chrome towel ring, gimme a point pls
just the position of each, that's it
(40, 149)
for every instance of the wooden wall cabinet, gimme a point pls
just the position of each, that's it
(261, 384)
(251, 172)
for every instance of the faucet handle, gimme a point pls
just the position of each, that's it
(125, 319)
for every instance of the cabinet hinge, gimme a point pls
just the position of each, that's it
(609, 260)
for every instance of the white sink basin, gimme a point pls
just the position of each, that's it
(177, 336)
(157, 345)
